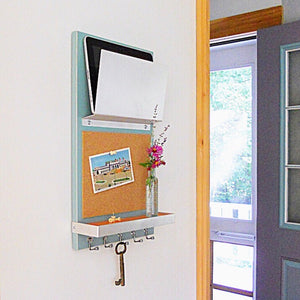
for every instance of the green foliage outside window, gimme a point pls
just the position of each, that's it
(231, 135)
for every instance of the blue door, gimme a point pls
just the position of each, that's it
(278, 163)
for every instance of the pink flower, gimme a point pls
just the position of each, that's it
(157, 163)
(155, 151)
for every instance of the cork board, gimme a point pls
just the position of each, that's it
(125, 198)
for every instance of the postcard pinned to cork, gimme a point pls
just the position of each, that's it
(111, 169)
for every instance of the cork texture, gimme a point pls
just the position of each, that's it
(124, 198)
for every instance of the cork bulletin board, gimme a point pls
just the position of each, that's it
(125, 198)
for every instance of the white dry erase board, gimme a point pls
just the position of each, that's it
(130, 87)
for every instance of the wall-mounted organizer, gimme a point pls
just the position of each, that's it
(102, 128)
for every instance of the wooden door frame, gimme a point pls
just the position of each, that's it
(204, 30)
(202, 150)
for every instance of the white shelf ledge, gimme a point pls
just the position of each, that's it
(121, 119)
(114, 124)
(101, 229)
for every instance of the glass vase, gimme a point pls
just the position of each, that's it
(152, 196)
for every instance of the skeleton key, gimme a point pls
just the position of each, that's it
(120, 250)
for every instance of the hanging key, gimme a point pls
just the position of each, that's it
(120, 250)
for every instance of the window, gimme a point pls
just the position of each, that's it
(290, 137)
(231, 143)
(233, 169)
(232, 267)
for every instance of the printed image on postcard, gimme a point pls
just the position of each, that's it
(111, 169)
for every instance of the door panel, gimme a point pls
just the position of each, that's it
(290, 280)
(275, 245)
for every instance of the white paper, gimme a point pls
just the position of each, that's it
(130, 87)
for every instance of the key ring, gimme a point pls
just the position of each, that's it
(122, 251)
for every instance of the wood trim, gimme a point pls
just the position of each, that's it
(211, 267)
(202, 148)
(232, 290)
(247, 22)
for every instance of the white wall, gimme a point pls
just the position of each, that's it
(291, 10)
(36, 258)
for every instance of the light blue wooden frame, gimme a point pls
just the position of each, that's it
(284, 49)
(81, 108)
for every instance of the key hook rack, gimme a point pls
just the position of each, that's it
(120, 236)
(135, 228)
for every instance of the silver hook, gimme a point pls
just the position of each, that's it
(121, 238)
(146, 235)
(133, 234)
(104, 243)
(90, 240)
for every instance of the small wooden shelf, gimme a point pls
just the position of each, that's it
(101, 229)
